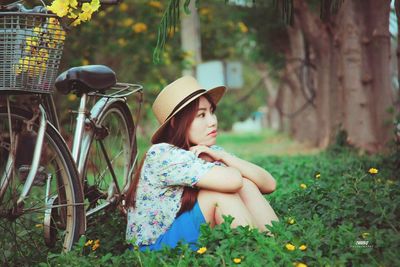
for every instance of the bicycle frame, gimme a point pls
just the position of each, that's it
(35, 161)
(47, 114)
(87, 132)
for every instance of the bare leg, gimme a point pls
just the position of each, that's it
(215, 204)
(257, 205)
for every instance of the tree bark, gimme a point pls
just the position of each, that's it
(377, 19)
(397, 8)
(319, 38)
(303, 117)
(358, 119)
(190, 37)
(272, 117)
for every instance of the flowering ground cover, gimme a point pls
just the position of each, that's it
(336, 208)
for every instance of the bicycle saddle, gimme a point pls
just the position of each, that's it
(85, 79)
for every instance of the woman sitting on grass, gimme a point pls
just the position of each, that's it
(185, 180)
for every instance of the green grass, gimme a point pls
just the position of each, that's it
(247, 145)
(335, 216)
(266, 143)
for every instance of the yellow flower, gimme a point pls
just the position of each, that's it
(76, 22)
(44, 54)
(73, 3)
(70, 9)
(291, 221)
(202, 250)
(95, 5)
(303, 247)
(95, 246)
(318, 175)
(87, 11)
(237, 260)
(89, 243)
(121, 42)
(31, 41)
(205, 11)
(33, 65)
(242, 27)
(373, 171)
(53, 21)
(171, 33)
(139, 27)
(299, 264)
(72, 97)
(303, 186)
(60, 34)
(85, 62)
(59, 7)
(39, 225)
(155, 4)
(290, 247)
(37, 30)
(127, 22)
(365, 235)
(123, 7)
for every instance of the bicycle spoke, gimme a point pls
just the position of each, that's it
(49, 217)
(105, 179)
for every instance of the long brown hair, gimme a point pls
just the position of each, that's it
(175, 133)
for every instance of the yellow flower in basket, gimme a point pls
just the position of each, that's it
(71, 9)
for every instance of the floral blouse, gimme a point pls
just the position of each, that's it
(165, 172)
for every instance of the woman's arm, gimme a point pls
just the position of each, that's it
(221, 179)
(262, 178)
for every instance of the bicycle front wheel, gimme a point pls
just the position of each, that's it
(111, 146)
(51, 217)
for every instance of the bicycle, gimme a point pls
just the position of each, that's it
(46, 190)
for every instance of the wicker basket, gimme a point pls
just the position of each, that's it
(31, 46)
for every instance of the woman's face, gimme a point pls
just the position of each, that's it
(203, 130)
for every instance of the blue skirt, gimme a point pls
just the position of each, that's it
(185, 228)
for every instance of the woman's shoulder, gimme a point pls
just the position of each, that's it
(162, 149)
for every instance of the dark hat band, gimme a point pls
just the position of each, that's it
(183, 101)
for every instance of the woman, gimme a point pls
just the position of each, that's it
(185, 180)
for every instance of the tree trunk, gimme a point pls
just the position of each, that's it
(272, 117)
(377, 15)
(358, 119)
(317, 35)
(397, 8)
(190, 37)
(303, 119)
(352, 65)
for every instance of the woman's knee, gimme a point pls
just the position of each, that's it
(249, 191)
(249, 187)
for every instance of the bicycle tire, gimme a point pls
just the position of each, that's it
(98, 182)
(22, 238)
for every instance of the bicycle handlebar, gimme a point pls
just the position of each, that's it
(23, 9)
(17, 7)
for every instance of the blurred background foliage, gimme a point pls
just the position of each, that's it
(124, 37)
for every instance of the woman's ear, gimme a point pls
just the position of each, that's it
(172, 122)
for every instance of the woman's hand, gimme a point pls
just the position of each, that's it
(206, 153)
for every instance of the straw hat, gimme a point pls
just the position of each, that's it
(177, 95)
